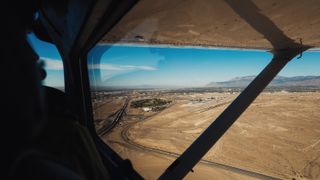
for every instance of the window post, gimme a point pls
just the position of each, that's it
(193, 154)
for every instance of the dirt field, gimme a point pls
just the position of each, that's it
(277, 137)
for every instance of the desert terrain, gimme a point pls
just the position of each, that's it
(277, 137)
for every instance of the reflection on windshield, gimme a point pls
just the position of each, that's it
(167, 67)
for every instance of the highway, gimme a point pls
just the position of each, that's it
(127, 142)
(116, 118)
(131, 144)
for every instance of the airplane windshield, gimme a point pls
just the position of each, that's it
(164, 73)
(151, 102)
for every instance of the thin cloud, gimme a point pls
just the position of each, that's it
(56, 64)
(147, 68)
(112, 67)
(52, 64)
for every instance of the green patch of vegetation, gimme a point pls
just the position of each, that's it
(154, 104)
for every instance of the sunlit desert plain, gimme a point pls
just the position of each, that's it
(277, 137)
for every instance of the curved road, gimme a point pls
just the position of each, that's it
(125, 137)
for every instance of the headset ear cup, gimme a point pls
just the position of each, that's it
(43, 73)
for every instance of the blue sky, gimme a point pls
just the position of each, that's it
(185, 67)
(129, 65)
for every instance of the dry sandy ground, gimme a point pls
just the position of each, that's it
(278, 135)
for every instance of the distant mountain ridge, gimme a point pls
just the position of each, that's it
(277, 81)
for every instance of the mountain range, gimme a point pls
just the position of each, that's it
(277, 81)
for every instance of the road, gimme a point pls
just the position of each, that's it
(131, 144)
(116, 118)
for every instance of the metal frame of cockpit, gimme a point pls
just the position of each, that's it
(192, 155)
(77, 83)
